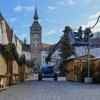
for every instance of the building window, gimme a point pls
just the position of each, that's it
(43, 56)
(46, 52)
(43, 61)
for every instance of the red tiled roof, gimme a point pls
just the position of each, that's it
(45, 46)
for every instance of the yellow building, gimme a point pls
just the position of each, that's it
(4, 75)
(10, 67)
(3, 33)
(18, 46)
(5, 38)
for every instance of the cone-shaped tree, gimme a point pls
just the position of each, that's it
(66, 49)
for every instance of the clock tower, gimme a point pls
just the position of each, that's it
(36, 40)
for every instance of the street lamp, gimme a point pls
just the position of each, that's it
(88, 79)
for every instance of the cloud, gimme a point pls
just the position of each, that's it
(71, 2)
(94, 16)
(57, 32)
(25, 14)
(92, 21)
(48, 20)
(51, 32)
(84, 16)
(25, 26)
(87, 1)
(20, 8)
(41, 20)
(29, 8)
(62, 3)
(65, 2)
(13, 19)
(52, 7)
(96, 7)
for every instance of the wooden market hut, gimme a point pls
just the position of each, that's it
(13, 64)
(95, 64)
(76, 68)
(4, 75)
(7, 33)
(13, 60)
(24, 69)
(13, 70)
(17, 67)
(24, 73)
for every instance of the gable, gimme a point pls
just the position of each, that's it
(4, 33)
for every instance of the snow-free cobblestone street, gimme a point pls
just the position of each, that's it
(51, 90)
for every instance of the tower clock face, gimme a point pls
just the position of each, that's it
(36, 38)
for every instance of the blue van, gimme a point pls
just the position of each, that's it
(47, 72)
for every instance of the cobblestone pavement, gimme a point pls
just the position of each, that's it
(51, 90)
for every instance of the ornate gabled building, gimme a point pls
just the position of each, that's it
(36, 40)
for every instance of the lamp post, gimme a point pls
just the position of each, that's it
(88, 79)
(88, 54)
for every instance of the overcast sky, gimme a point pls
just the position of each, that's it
(54, 15)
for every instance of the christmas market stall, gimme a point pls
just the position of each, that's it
(76, 68)
(4, 75)
(95, 64)
(13, 66)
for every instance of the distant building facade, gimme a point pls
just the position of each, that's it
(45, 51)
(94, 48)
(26, 52)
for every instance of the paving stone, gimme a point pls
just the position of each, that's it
(51, 90)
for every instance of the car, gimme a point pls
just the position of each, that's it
(47, 72)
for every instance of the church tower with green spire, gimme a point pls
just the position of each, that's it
(36, 40)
